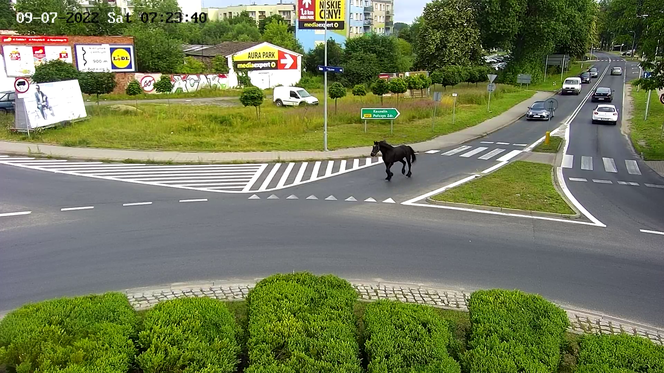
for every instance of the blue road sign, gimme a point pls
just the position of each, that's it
(647, 74)
(330, 69)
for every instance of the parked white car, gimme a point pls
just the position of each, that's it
(605, 113)
(571, 85)
(292, 96)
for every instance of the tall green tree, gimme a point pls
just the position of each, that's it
(104, 27)
(267, 20)
(336, 91)
(7, 15)
(97, 83)
(384, 48)
(449, 35)
(398, 86)
(277, 33)
(243, 17)
(192, 66)
(316, 56)
(155, 51)
(380, 88)
(360, 69)
(50, 7)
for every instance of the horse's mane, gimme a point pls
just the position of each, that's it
(383, 142)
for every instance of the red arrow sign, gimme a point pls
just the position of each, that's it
(287, 61)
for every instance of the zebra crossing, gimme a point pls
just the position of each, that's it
(607, 164)
(225, 178)
(485, 153)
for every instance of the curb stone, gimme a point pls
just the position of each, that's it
(581, 321)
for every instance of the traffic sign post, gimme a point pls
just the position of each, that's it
(21, 85)
(491, 87)
(454, 107)
(325, 73)
(379, 113)
(437, 97)
(332, 69)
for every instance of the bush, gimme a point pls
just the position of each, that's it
(618, 354)
(360, 90)
(189, 335)
(310, 82)
(192, 65)
(220, 65)
(380, 88)
(97, 83)
(54, 71)
(83, 334)
(252, 96)
(243, 79)
(514, 332)
(302, 323)
(133, 88)
(336, 91)
(164, 84)
(406, 338)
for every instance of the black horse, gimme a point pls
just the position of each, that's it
(391, 154)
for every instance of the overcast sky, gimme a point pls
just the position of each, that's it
(404, 10)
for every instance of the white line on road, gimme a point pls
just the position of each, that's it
(495, 167)
(473, 152)
(491, 154)
(300, 173)
(601, 181)
(314, 173)
(457, 150)
(77, 208)
(502, 143)
(486, 142)
(651, 232)
(356, 163)
(655, 186)
(509, 156)
(632, 167)
(330, 166)
(284, 177)
(520, 144)
(577, 179)
(269, 177)
(568, 161)
(609, 164)
(6, 214)
(193, 200)
(431, 151)
(136, 204)
(342, 167)
(628, 183)
(586, 163)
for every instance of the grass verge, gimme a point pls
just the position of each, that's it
(203, 93)
(519, 185)
(552, 147)
(647, 136)
(553, 81)
(211, 128)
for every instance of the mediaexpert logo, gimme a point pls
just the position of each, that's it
(121, 59)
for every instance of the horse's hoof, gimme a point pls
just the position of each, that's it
(403, 172)
(409, 174)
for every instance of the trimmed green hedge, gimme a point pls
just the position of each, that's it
(619, 354)
(302, 323)
(403, 338)
(83, 334)
(189, 335)
(514, 332)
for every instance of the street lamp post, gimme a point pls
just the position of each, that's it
(325, 73)
(631, 52)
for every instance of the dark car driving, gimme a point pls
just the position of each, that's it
(603, 94)
(538, 110)
(7, 102)
(585, 77)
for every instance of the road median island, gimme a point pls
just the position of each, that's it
(519, 187)
(210, 128)
(647, 135)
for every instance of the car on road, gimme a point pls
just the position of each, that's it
(593, 72)
(616, 70)
(293, 96)
(539, 111)
(571, 85)
(605, 113)
(602, 94)
(7, 102)
(585, 77)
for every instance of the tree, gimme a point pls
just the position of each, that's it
(398, 85)
(656, 80)
(437, 77)
(38, 7)
(384, 48)
(262, 24)
(7, 15)
(413, 82)
(405, 59)
(459, 44)
(97, 83)
(220, 65)
(133, 88)
(360, 69)
(425, 83)
(243, 17)
(164, 85)
(336, 91)
(451, 76)
(478, 74)
(103, 26)
(155, 51)
(54, 71)
(402, 31)
(316, 57)
(379, 88)
(243, 79)
(252, 96)
(278, 34)
(192, 66)
(360, 90)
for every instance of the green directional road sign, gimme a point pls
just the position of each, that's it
(379, 113)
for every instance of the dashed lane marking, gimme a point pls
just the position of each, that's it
(577, 179)
(193, 200)
(652, 232)
(77, 208)
(18, 213)
(136, 204)
(600, 181)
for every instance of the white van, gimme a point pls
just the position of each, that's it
(293, 96)
(571, 85)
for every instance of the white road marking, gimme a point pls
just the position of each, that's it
(300, 173)
(19, 213)
(568, 161)
(196, 178)
(473, 152)
(609, 165)
(269, 177)
(330, 166)
(225, 185)
(193, 200)
(284, 177)
(651, 232)
(253, 196)
(432, 151)
(292, 196)
(314, 173)
(486, 142)
(520, 144)
(136, 204)
(45, 162)
(491, 154)
(351, 199)
(368, 162)
(312, 197)
(655, 186)
(495, 167)
(173, 173)
(586, 163)
(457, 150)
(74, 164)
(389, 200)
(632, 167)
(356, 163)
(370, 199)
(77, 208)
(331, 198)
(502, 143)
(272, 196)
(577, 179)
(628, 183)
(342, 167)
(601, 181)
(509, 155)
(12, 159)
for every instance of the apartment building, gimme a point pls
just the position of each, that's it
(371, 16)
(382, 17)
(257, 12)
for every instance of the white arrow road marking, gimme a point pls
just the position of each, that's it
(287, 60)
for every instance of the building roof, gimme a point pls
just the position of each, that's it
(223, 49)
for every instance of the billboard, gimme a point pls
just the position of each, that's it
(311, 14)
(20, 60)
(46, 104)
(105, 58)
(265, 57)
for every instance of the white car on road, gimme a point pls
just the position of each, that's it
(571, 85)
(605, 113)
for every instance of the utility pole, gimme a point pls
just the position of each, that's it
(325, 121)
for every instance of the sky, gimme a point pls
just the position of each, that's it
(404, 10)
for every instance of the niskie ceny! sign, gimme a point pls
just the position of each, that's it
(311, 14)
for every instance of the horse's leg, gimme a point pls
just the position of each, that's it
(409, 166)
(403, 167)
(388, 165)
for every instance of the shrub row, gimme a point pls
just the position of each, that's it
(92, 334)
(302, 323)
(512, 331)
(619, 354)
(404, 338)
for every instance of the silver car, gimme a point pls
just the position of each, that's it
(538, 111)
(616, 70)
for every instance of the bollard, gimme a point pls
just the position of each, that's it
(547, 137)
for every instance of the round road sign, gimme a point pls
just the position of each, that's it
(661, 98)
(21, 85)
(147, 83)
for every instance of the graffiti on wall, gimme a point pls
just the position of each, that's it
(184, 83)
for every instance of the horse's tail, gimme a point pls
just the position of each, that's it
(413, 158)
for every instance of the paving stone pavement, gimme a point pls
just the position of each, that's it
(581, 321)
